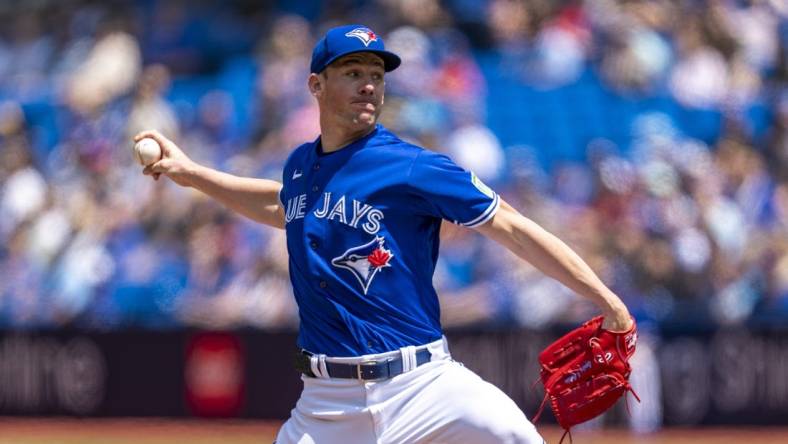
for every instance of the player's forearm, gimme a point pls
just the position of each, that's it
(554, 258)
(257, 199)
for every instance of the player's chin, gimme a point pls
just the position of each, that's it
(365, 119)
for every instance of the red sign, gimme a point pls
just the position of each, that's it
(214, 375)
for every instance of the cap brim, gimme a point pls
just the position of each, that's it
(390, 60)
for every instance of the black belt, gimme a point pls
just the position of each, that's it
(366, 371)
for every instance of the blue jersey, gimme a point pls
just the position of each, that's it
(362, 229)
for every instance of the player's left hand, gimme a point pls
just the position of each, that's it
(617, 320)
(586, 371)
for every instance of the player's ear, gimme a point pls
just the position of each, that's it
(315, 84)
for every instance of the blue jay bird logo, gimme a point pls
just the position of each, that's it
(365, 261)
(364, 34)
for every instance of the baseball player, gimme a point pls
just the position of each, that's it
(362, 211)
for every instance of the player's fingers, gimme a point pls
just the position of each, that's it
(146, 133)
(153, 134)
(157, 167)
(149, 171)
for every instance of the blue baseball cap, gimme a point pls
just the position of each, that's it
(344, 40)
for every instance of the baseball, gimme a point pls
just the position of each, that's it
(147, 151)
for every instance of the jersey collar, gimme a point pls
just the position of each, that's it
(352, 146)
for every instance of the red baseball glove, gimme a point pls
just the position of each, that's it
(586, 371)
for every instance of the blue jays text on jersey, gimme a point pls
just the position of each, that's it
(296, 207)
(362, 228)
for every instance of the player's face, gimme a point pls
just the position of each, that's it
(353, 90)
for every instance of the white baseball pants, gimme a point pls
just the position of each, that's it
(438, 402)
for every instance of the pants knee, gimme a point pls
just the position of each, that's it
(494, 431)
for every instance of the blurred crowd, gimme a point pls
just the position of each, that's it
(686, 220)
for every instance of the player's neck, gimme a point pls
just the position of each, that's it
(335, 137)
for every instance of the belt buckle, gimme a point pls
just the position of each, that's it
(382, 361)
(359, 376)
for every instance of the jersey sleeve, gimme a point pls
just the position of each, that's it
(451, 192)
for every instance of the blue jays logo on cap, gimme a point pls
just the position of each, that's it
(364, 34)
(348, 39)
(365, 261)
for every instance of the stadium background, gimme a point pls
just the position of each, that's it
(650, 135)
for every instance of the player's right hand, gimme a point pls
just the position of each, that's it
(174, 163)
